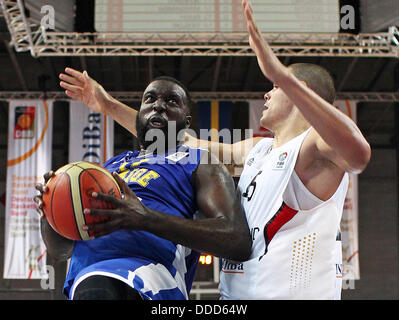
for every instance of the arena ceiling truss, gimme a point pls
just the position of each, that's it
(27, 36)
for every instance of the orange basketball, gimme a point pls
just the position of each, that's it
(70, 193)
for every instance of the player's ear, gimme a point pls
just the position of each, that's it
(188, 121)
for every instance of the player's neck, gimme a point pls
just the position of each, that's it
(288, 132)
(289, 127)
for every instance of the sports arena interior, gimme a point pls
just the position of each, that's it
(215, 66)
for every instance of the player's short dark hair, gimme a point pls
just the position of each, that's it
(317, 78)
(181, 85)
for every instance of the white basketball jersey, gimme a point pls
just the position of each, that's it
(296, 253)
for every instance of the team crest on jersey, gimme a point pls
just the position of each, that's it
(281, 161)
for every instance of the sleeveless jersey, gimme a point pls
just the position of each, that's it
(156, 267)
(296, 253)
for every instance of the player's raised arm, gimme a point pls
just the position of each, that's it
(80, 86)
(336, 137)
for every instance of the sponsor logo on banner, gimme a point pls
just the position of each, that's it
(24, 123)
(91, 135)
(91, 138)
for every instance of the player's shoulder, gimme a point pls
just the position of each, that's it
(118, 159)
(262, 142)
(260, 147)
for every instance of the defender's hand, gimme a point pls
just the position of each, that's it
(270, 65)
(79, 86)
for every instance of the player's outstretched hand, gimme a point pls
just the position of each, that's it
(270, 65)
(128, 213)
(42, 188)
(81, 87)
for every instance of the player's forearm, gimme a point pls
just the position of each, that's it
(123, 114)
(58, 247)
(228, 153)
(215, 236)
(336, 129)
(220, 150)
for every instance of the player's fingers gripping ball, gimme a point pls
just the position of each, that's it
(70, 192)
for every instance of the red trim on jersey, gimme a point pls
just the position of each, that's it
(282, 216)
(225, 271)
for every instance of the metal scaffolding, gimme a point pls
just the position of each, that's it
(210, 44)
(198, 96)
(24, 33)
(27, 36)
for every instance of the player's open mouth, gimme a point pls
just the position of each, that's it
(157, 122)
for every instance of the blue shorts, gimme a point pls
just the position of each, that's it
(153, 280)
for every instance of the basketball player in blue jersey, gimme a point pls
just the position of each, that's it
(177, 202)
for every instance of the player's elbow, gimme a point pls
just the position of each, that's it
(361, 157)
(244, 251)
(240, 247)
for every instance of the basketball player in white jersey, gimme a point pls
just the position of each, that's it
(292, 187)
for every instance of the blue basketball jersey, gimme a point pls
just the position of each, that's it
(157, 268)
